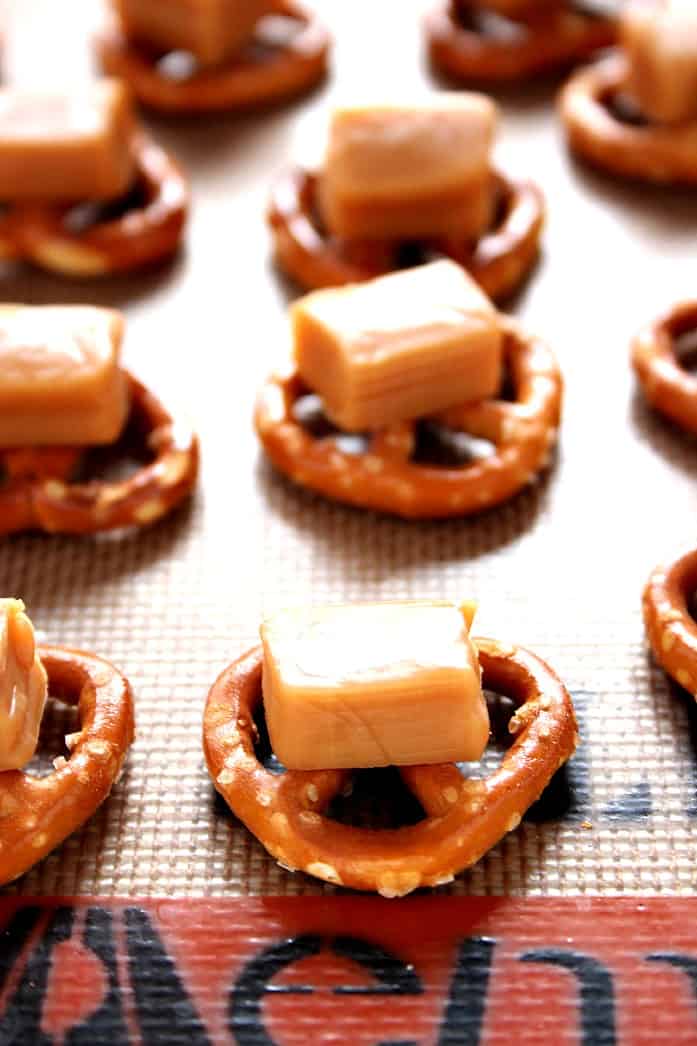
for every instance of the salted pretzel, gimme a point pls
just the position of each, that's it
(499, 261)
(466, 43)
(38, 813)
(668, 387)
(262, 74)
(386, 478)
(670, 627)
(37, 492)
(464, 817)
(148, 230)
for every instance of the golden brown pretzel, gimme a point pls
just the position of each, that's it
(258, 77)
(467, 48)
(667, 386)
(598, 134)
(464, 817)
(147, 232)
(38, 813)
(499, 261)
(37, 493)
(384, 478)
(670, 627)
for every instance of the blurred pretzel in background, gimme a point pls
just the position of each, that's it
(656, 359)
(178, 57)
(504, 41)
(39, 812)
(670, 624)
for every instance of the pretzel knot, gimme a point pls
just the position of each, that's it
(670, 627)
(463, 817)
(37, 492)
(147, 229)
(603, 128)
(386, 477)
(266, 71)
(38, 813)
(667, 385)
(499, 261)
(465, 42)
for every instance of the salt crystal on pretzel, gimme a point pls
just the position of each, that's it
(401, 172)
(660, 39)
(398, 347)
(23, 687)
(60, 383)
(373, 684)
(66, 146)
(211, 30)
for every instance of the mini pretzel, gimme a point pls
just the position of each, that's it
(636, 149)
(464, 817)
(37, 493)
(464, 45)
(384, 477)
(667, 386)
(499, 261)
(38, 813)
(671, 629)
(258, 77)
(146, 233)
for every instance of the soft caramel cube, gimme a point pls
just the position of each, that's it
(66, 146)
(60, 382)
(398, 347)
(23, 687)
(660, 39)
(372, 684)
(409, 172)
(211, 30)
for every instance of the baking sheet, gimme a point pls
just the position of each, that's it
(559, 569)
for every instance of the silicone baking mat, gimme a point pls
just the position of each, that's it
(559, 569)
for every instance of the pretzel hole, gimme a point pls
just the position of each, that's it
(118, 461)
(685, 348)
(378, 799)
(85, 216)
(449, 448)
(60, 718)
(262, 743)
(500, 707)
(308, 412)
(623, 108)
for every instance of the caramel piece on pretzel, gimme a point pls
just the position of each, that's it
(670, 626)
(60, 381)
(23, 687)
(668, 386)
(659, 38)
(38, 813)
(410, 172)
(66, 146)
(464, 817)
(211, 30)
(372, 684)
(398, 347)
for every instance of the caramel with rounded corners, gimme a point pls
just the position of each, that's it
(668, 387)
(384, 478)
(464, 817)
(37, 493)
(541, 42)
(245, 82)
(670, 627)
(644, 151)
(499, 261)
(146, 233)
(38, 813)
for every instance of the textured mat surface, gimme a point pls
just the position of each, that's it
(559, 569)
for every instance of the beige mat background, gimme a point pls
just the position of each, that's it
(559, 569)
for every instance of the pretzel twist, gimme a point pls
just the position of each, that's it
(499, 261)
(146, 233)
(384, 478)
(670, 627)
(37, 493)
(38, 813)
(668, 387)
(466, 47)
(258, 77)
(645, 151)
(464, 817)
